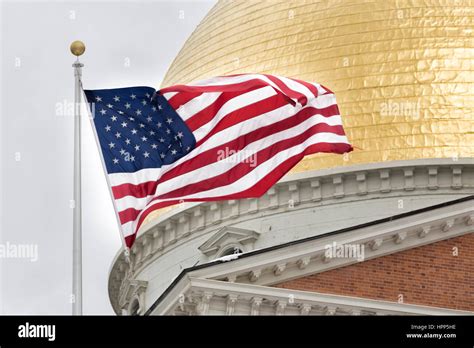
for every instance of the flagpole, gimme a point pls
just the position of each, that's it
(77, 49)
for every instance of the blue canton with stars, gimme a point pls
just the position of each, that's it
(137, 129)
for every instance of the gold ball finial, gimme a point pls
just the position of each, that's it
(77, 48)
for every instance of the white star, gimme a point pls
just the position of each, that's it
(124, 124)
(107, 128)
(134, 131)
(103, 112)
(162, 155)
(120, 112)
(180, 134)
(116, 161)
(154, 146)
(160, 107)
(142, 125)
(117, 99)
(111, 145)
(133, 96)
(168, 131)
(173, 152)
(98, 98)
(144, 102)
(138, 112)
(127, 141)
(147, 95)
(149, 118)
(154, 108)
(127, 106)
(117, 135)
(132, 158)
(122, 152)
(144, 138)
(137, 147)
(188, 148)
(146, 154)
(110, 106)
(131, 119)
(162, 140)
(169, 121)
(114, 118)
(158, 124)
(152, 133)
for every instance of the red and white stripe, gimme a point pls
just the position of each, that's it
(278, 119)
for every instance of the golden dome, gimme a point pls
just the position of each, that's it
(401, 70)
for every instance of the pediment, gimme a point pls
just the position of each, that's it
(132, 287)
(228, 236)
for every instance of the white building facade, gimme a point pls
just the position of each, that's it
(225, 257)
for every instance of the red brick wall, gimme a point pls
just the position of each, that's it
(428, 275)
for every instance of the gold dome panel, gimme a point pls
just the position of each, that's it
(401, 70)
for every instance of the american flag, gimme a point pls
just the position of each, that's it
(227, 137)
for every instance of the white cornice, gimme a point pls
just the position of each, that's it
(287, 301)
(378, 240)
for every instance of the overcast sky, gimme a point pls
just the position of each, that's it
(128, 43)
